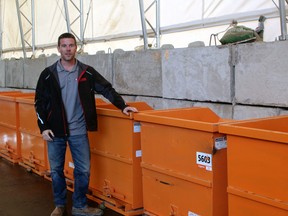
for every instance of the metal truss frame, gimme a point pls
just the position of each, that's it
(30, 32)
(144, 20)
(79, 17)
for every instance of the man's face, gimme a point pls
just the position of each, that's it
(67, 48)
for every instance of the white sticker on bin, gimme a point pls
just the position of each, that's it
(204, 160)
(220, 143)
(192, 214)
(137, 127)
(71, 164)
(139, 153)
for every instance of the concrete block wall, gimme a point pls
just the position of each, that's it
(101, 62)
(261, 74)
(197, 74)
(237, 81)
(2, 73)
(14, 73)
(138, 73)
(32, 69)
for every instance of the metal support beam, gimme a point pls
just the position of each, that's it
(33, 26)
(20, 27)
(1, 30)
(67, 16)
(144, 20)
(79, 34)
(157, 23)
(30, 31)
(283, 23)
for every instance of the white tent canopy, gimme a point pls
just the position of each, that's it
(112, 24)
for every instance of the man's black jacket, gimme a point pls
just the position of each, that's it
(48, 100)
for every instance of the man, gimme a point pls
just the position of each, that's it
(65, 107)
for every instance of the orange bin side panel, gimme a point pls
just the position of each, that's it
(33, 147)
(242, 206)
(8, 113)
(9, 122)
(115, 179)
(8, 142)
(27, 116)
(34, 152)
(168, 195)
(114, 136)
(174, 149)
(116, 155)
(257, 157)
(182, 148)
(258, 166)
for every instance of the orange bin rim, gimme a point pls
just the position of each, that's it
(270, 128)
(110, 110)
(13, 97)
(199, 118)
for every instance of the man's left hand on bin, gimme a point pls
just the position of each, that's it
(129, 109)
(48, 135)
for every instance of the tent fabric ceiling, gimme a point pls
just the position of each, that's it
(113, 20)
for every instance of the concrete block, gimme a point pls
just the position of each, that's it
(283, 112)
(167, 46)
(174, 104)
(100, 62)
(224, 111)
(155, 103)
(8, 89)
(129, 98)
(251, 112)
(163, 103)
(15, 73)
(2, 73)
(138, 73)
(196, 44)
(52, 59)
(32, 70)
(261, 74)
(198, 74)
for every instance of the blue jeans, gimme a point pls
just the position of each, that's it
(80, 150)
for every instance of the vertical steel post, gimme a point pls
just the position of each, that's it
(67, 16)
(1, 30)
(282, 10)
(21, 29)
(33, 26)
(143, 22)
(81, 22)
(81, 26)
(158, 23)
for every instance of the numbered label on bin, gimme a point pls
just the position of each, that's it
(204, 160)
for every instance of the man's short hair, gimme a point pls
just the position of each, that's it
(66, 35)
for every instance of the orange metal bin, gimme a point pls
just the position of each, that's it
(116, 176)
(10, 92)
(9, 124)
(257, 155)
(183, 162)
(33, 147)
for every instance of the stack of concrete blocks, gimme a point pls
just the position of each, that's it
(236, 81)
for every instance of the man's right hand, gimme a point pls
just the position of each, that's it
(48, 135)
